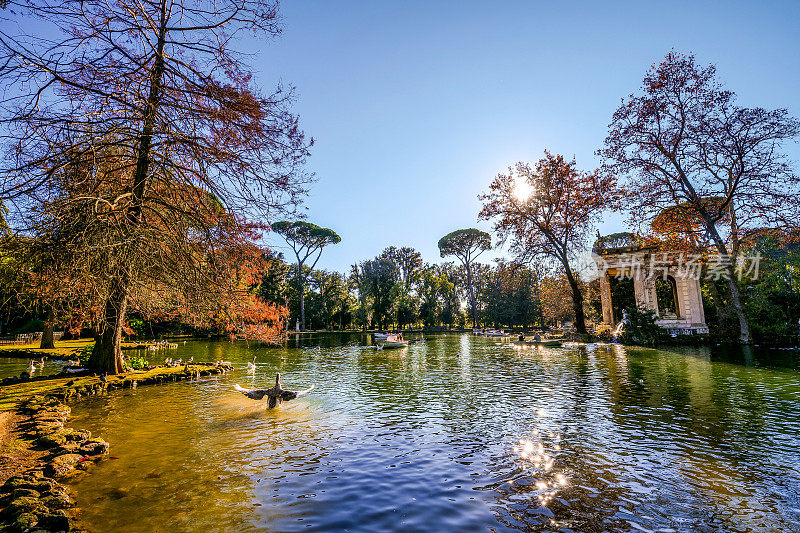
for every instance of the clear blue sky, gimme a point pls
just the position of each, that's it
(415, 106)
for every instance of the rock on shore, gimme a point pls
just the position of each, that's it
(35, 500)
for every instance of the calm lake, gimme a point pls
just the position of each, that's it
(457, 433)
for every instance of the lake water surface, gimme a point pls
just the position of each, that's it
(457, 433)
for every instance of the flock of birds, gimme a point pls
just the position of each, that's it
(170, 362)
(163, 345)
(70, 366)
(275, 394)
(74, 366)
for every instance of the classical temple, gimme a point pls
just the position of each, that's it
(668, 284)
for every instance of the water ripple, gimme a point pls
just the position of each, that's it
(454, 434)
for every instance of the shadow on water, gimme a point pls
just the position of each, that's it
(756, 356)
(454, 434)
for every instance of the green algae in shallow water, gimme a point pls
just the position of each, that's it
(424, 439)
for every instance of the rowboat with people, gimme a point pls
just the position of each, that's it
(537, 340)
(394, 341)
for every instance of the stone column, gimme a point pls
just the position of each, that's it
(685, 308)
(695, 301)
(605, 300)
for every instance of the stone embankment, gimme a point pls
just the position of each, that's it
(34, 498)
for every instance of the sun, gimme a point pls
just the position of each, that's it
(522, 190)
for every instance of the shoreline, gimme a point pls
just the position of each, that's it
(38, 451)
(64, 350)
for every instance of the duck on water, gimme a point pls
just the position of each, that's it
(276, 395)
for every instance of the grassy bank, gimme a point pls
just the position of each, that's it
(70, 387)
(62, 350)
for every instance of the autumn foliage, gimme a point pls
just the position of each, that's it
(145, 173)
(698, 164)
(553, 220)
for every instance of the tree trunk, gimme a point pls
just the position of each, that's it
(472, 296)
(577, 302)
(302, 305)
(301, 283)
(302, 311)
(736, 300)
(736, 303)
(47, 342)
(716, 298)
(107, 354)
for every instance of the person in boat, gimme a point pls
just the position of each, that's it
(537, 338)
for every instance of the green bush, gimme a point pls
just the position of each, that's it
(84, 354)
(768, 322)
(136, 325)
(642, 329)
(30, 326)
(138, 363)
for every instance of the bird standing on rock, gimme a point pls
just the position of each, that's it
(276, 394)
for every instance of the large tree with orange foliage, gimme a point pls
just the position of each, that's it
(685, 144)
(136, 141)
(547, 211)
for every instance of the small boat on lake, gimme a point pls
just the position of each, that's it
(550, 343)
(394, 341)
(380, 336)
